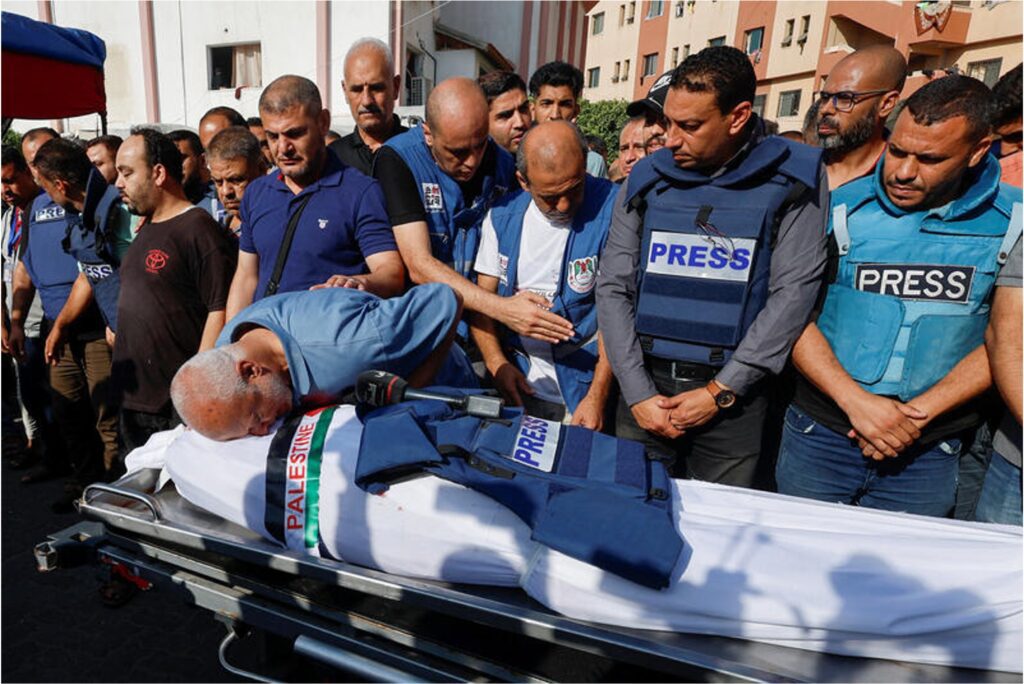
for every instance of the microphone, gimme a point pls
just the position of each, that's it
(380, 388)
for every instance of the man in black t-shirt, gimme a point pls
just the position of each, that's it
(174, 284)
(371, 88)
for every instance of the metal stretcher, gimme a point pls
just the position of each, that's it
(371, 626)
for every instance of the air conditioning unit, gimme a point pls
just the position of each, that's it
(802, 39)
(419, 87)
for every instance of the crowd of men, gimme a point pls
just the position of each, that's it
(835, 314)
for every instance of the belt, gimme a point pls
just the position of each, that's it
(680, 370)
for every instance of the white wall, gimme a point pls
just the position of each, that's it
(457, 63)
(498, 22)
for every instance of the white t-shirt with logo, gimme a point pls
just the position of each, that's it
(541, 254)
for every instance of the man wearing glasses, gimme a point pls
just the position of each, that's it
(712, 266)
(861, 92)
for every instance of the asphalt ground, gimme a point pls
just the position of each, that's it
(54, 627)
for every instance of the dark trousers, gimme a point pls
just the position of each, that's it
(37, 398)
(85, 409)
(725, 449)
(138, 426)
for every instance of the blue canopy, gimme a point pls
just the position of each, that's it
(28, 36)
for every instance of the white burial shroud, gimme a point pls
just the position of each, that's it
(760, 566)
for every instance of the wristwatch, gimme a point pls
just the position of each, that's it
(723, 396)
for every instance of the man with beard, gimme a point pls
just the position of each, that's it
(892, 367)
(861, 92)
(371, 87)
(255, 125)
(1007, 124)
(175, 279)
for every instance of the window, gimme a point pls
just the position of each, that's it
(758, 105)
(622, 14)
(235, 66)
(675, 57)
(805, 27)
(625, 70)
(686, 51)
(650, 65)
(655, 8)
(680, 8)
(789, 103)
(593, 77)
(754, 37)
(631, 12)
(597, 24)
(987, 71)
(715, 42)
(787, 38)
(618, 70)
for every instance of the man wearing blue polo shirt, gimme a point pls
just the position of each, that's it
(341, 237)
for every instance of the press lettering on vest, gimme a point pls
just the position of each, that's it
(295, 484)
(695, 256)
(917, 282)
(537, 443)
(97, 271)
(50, 214)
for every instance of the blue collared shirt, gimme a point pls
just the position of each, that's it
(332, 335)
(344, 222)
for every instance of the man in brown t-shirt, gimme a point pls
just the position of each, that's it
(174, 284)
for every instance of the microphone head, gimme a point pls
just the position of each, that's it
(380, 388)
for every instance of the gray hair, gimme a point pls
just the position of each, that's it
(235, 142)
(378, 46)
(522, 161)
(209, 376)
(287, 91)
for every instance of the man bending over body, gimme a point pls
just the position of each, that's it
(305, 349)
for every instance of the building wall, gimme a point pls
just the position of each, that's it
(498, 22)
(752, 16)
(651, 40)
(701, 21)
(795, 58)
(616, 43)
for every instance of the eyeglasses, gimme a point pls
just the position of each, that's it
(846, 100)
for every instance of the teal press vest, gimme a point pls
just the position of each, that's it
(911, 296)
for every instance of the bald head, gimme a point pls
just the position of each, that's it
(551, 165)
(456, 99)
(286, 92)
(457, 127)
(872, 68)
(552, 147)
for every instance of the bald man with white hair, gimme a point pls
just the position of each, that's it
(371, 87)
(440, 179)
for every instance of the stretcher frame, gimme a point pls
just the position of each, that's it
(250, 583)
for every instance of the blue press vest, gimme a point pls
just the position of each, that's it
(89, 240)
(705, 252)
(911, 296)
(53, 272)
(576, 358)
(454, 227)
(593, 497)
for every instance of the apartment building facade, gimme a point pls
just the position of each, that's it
(793, 44)
(169, 61)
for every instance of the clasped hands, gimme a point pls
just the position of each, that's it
(670, 417)
(883, 427)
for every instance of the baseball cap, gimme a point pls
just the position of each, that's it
(655, 100)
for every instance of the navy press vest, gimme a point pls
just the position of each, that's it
(576, 358)
(705, 254)
(913, 290)
(593, 497)
(89, 239)
(454, 227)
(52, 271)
